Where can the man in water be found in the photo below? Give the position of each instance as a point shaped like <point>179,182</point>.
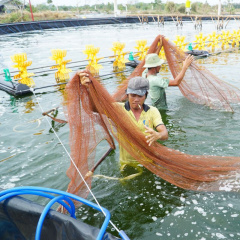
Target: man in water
<point>157,83</point>
<point>145,117</point>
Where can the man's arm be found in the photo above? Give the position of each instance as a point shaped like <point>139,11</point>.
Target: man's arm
<point>159,45</point>
<point>187,62</point>
<point>161,134</point>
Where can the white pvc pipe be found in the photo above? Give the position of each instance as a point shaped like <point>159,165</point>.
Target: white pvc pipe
<point>115,8</point>
<point>219,7</point>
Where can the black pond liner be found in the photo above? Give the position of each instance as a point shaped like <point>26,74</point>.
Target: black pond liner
<point>19,218</point>
<point>63,23</point>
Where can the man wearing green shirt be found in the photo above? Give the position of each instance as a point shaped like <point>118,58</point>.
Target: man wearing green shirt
<point>157,83</point>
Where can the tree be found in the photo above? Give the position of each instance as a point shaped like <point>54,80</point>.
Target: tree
<point>42,7</point>
<point>157,4</point>
<point>170,7</point>
<point>181,8</point>
<point>49,1</point>
<point>34,9</point>
<point>230,7</point>
<point>194,7</point>
<point>205,8</point>
<point>17,2</point>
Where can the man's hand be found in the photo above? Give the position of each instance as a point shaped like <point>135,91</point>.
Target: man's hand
<point>187,62</point>
<point>84,78</point>
<point>153,135</point>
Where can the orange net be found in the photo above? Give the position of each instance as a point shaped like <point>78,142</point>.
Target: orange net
<point>93,116</point>
<point>84,136</point>
<point>88,127</point>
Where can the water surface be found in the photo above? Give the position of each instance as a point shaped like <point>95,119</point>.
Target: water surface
<point>146,207</point>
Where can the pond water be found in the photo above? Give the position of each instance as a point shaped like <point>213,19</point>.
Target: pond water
<point>145,207</point>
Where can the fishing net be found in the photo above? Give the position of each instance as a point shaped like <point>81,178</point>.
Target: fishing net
<point>89,124</point>
<point>199,85</point>
<point>93,116</point>
<point>87,130</point>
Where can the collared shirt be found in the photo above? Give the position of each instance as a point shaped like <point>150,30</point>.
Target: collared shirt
<point>150,117</point>
<point>157,86</point>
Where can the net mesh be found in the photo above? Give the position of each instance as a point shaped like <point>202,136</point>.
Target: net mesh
<point>93,115</point>
<point>87,130</point>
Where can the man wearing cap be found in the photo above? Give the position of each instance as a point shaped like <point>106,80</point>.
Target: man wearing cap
<point>145,117</point>
<point>157,83</point>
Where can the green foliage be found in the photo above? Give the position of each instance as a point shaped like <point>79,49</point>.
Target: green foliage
<point>42,7</point>
<point>194,7</point>
<point>63,8</point>
<point>48,10</point>
<point>34,9</point>
<point>170,7</point>
<point>205,8</point>
<point>181,8</point>
<point>110,7</point>
<point>230,8</point>
<point>121,7</point>
<point>143,6</point>
<point>100,6</point>
<point>16,2</point>
<point>157,5</point>
<point>15,17</point>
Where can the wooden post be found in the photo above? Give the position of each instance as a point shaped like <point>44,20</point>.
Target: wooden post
<point>227,22</point>
<point>139,19</point>
<point>162,21</point>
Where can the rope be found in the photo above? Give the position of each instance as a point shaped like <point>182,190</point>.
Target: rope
<point>118,179</point>
<point>74,163</point>
<point>38,120</point>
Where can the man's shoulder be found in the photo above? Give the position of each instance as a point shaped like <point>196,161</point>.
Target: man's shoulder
<point>153,109</point>
<point>155,115</point>
<point>150,109</point>
<point>158,81</point>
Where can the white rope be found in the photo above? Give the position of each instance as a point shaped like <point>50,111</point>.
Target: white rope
<point>73,161</point>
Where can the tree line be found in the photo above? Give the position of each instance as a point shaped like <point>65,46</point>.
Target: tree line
<point>155,7</point>
<point>50,11</point>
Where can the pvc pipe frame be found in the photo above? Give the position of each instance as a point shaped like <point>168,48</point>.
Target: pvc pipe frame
<point>64,196</point>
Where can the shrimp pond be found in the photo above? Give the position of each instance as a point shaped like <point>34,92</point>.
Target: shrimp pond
<point>145,207</point>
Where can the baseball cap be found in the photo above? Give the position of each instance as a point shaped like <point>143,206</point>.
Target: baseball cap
<point>138,85</point>
<point>153,60</point>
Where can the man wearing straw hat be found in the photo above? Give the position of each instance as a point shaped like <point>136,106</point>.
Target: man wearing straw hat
<point>158,84</point>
